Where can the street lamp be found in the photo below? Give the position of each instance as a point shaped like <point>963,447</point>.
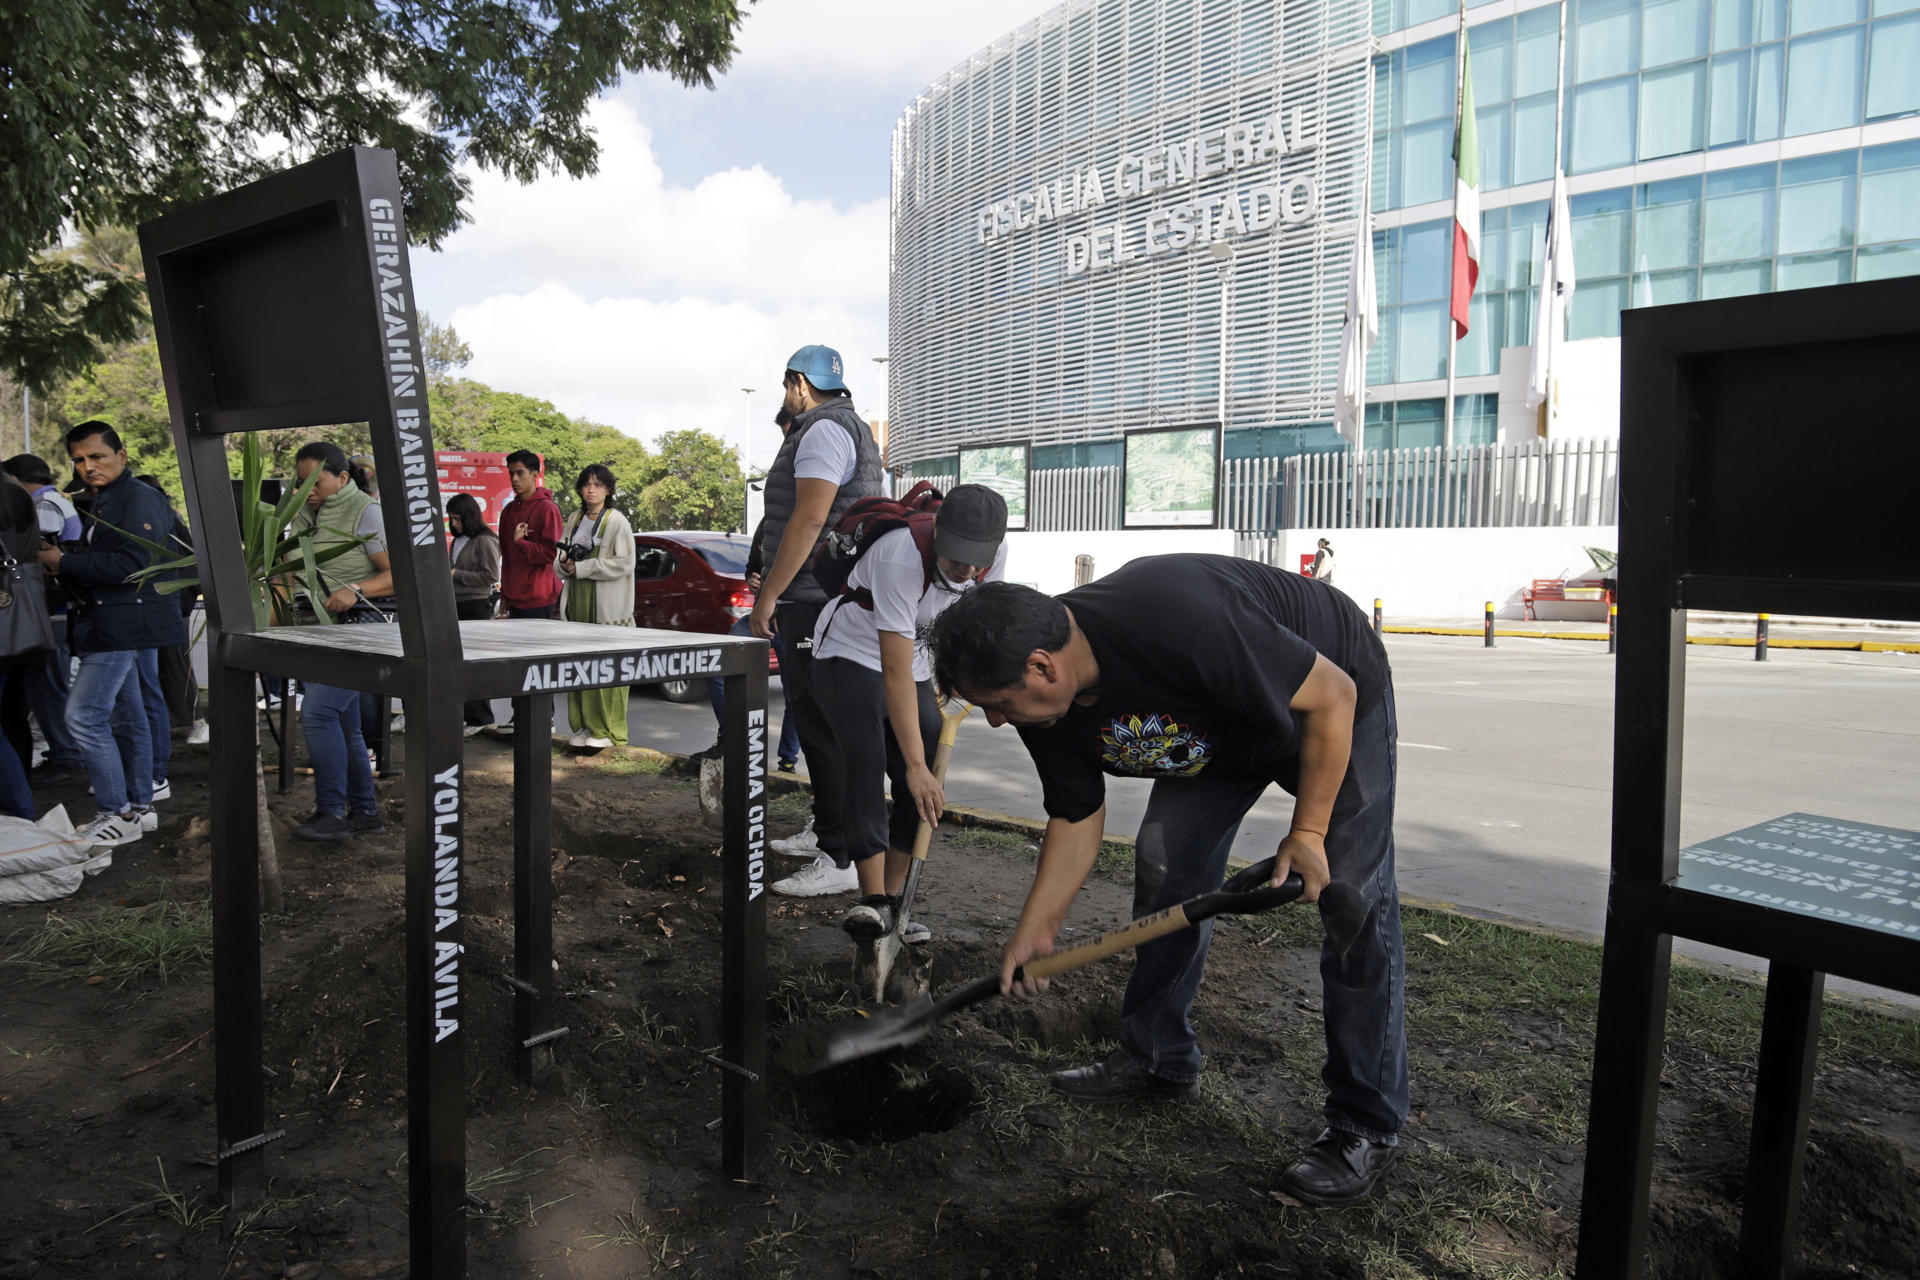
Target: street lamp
<point>1222,254</point>
<point>746,461</point>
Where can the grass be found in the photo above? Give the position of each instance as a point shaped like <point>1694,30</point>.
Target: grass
<point>177,1208</point>
<point>622,765</point>
<point>122,946</point>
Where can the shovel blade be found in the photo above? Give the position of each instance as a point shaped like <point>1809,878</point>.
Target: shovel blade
<point>873,1033</point>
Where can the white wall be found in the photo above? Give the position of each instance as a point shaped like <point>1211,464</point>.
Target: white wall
<point>1452,573</point>
<point>1589,375</point>
<point>1045,560</point>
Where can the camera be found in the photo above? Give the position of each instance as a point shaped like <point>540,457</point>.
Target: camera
<point>575,551</point>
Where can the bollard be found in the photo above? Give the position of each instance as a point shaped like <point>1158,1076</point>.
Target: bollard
<point>1613,625</point>
<point>1082,570</point>
<point>1760,640</point>
<point>1376,615</point>
<point>1489,624</point>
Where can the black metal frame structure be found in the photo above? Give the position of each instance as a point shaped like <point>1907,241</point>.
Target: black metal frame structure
<point>1767,463</point>
<point>1214,517</point>
<point>288,303</point>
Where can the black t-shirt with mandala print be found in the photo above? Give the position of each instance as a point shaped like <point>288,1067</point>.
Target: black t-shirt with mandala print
<point>1199,657</point>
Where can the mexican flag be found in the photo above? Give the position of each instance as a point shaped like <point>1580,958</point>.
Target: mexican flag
<point>1466,198</point>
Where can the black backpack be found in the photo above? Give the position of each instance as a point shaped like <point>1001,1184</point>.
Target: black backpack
<point>865,523</point>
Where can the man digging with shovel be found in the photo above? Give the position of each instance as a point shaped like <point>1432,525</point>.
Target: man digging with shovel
<point>1213,676</point>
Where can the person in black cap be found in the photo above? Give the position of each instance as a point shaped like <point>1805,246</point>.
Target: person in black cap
<point>870,668</point>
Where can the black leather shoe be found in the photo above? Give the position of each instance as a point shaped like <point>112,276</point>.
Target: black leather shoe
<point>1338,1168</point>
<point>1120,1078</point>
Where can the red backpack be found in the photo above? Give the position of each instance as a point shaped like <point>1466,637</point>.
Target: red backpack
<point>865,523</point>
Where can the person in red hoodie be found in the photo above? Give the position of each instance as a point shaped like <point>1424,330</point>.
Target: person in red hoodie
<point>529,542</point>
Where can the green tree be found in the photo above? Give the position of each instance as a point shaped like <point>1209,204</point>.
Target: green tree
<point>110,112</point>
<point>444,350</point>
<point>696,483</point>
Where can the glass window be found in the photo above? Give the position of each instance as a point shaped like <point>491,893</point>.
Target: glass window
<point>1605,39</point>
<point>1740,22</point>
<point>1419,11</point>
<point>1495,147</point>
<point>1386,263</point>
<point>1479,351</point>
<point>1666,232</point>
<point>1476,419</point>
<point>1532,144</point>
<point>1595,312</point>
<point>1816,15</point>
<point>1739,214</point>
<point>1813,270</point>
<point>1823,81</point>
<point>1421,340</point>
<point>1426,260</point>
<point>1659,288</point>
<point>1727,98</point>
<point>1672,30</point>
<point>1673,110</point>
<point>1602,126</point>
<point>1536,51</point>
<point>1816,203</point>
<point>1600,225</point>
<point>1890,192</point>
<point>1736,280</point>
<point>1893,68</point>
<point>1419,424</point>
<point>1883,262</point>
<point>1379,429</point>
<point>1881,8</point>
<point>1526,244</point>
<point>1491,48</point>
<point>1426,163</point>
<point>1493,249</point>
<point>1520,308</point>
<point>1427,90</point>
<point>1767,64</point>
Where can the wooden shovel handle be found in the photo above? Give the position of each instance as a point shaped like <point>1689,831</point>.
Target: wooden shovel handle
<point>1145,929</point>
<point>949,730</point>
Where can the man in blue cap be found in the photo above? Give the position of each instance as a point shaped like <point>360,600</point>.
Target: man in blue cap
<point>827,462</point>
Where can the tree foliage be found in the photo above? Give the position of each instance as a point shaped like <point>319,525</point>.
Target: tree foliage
<point>110,112</point>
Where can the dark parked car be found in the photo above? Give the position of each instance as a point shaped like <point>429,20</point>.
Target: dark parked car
<point>690,581</point>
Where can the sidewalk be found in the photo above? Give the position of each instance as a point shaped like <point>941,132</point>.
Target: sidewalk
<point>1714,629</point>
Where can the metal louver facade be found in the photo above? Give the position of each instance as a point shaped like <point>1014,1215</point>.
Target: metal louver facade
<point>1008,323</point>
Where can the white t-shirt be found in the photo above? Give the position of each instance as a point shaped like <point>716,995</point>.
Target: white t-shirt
<point>826,452</point>
<point>893,571</point>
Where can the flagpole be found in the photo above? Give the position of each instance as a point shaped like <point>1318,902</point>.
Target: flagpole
<point>1459,94</point>
<point>1544,426</point>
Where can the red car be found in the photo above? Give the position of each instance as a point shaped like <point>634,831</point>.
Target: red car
<point>691,581</point>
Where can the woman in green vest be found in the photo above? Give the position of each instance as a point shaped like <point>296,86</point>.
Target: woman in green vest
<point>596,565</point>
<point>339,514</point>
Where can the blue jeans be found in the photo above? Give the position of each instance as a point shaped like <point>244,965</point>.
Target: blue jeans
<point>1181,851</point>
<point>16,797</point>
<point>49,680</point>
<point>159,723</point>
<point>789,749</point>
<point>108,719</point>
<point>342,777</point>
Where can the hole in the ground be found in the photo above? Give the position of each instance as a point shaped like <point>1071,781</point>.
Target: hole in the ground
<point>887,1099</point>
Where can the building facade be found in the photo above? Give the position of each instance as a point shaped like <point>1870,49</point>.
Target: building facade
<point>1713,148</point>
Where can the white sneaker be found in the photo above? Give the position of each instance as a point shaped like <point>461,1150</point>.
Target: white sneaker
<point>197,736</point>
<point>597,744</point>
<point>144,815</point>
<point>801,844</point>
<point>818,879</point>
<point>399,724</point>
<point>163,789</point>
<point>473,730</point>
<point>579,739</point>
<point>110,829</point>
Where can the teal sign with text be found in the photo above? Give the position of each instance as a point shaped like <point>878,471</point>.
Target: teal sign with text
<point>1851,872</point>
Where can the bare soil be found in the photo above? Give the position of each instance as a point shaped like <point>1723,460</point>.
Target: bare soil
<point>948,1159</point>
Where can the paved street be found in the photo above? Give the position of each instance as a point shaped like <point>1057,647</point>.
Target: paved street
<point>1506,762</point>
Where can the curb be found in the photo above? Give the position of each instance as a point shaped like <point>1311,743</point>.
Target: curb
<point>1736,642</point>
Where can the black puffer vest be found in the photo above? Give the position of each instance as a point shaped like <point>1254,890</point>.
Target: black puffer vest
<point>837,414</point>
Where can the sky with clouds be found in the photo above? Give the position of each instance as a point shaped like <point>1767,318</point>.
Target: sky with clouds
<point>725,228</point>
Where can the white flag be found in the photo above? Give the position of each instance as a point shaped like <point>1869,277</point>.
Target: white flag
<point>1356,338</point>
<point>1556,291</point>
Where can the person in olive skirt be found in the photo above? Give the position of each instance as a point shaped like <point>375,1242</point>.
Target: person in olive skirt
<point>476,571</point>
<point>597,560</point>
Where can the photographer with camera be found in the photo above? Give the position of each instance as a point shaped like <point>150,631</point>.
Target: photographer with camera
<point>597,560</point>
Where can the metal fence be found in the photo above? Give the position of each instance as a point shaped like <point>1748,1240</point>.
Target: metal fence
<point>1541,483</point>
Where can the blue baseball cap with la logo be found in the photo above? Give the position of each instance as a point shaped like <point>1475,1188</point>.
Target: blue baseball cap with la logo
<point>822,367</point>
